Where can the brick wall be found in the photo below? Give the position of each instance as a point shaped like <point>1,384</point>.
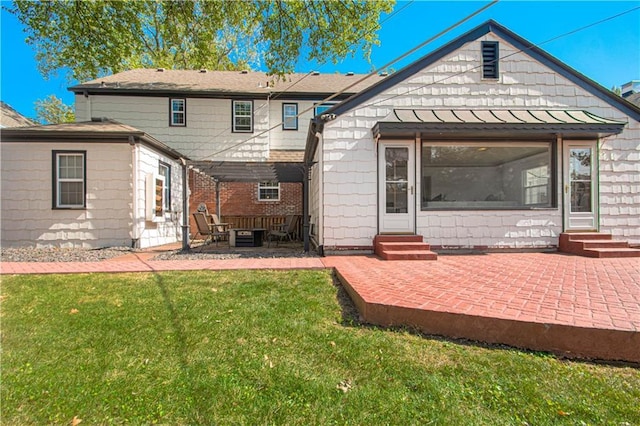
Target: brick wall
<point>241,198</point>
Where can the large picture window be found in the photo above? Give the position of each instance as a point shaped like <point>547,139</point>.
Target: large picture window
<point>487,175</point>
<point>69,179</point>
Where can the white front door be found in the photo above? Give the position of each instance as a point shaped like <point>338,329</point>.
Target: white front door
<point>396,192</point>
<point>580,186</point>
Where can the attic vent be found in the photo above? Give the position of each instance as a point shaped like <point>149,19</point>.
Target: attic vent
<point>315,73</point>
<point>350,73</point>
<point>490,59</point>
<point>244,72</point>
<point>160,69</point>
<point>203,70</point>
<point>99,119</point>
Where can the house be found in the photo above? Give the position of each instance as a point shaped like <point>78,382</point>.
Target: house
<point>488,142</point>
<point>244,131</point>
<point>90,184</point>
<point>9,117</point>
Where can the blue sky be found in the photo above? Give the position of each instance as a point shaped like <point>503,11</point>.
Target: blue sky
<point>608,53</point>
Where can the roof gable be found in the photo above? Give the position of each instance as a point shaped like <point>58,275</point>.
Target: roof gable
<point>518,42</point>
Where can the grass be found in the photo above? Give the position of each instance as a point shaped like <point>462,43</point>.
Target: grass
<point>267,348</point>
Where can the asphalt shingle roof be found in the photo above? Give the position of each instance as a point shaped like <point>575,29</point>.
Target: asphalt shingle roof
<point>224,82</point>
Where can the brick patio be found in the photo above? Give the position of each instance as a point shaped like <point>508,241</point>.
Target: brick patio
<point>570,305</point>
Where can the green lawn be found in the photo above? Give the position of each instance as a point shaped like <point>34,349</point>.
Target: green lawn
<point>266,348</point>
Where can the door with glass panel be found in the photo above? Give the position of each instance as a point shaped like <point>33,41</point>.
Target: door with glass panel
<point>580,186</point>
<point>396,194</point>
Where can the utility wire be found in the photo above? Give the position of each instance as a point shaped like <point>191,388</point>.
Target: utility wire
<point>371,74</point>
<point>502,57</point>
<point>278,94</point>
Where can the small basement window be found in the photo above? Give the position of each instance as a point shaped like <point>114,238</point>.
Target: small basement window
<point>269,191</point>
<point>490,57</point>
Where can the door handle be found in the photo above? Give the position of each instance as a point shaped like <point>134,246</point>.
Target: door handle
<point>566,189</point>
<point>411,187</point>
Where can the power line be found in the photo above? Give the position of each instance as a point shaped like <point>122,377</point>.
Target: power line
<point>503,57</point>
<point>395,12</point>
<point>371,74</point>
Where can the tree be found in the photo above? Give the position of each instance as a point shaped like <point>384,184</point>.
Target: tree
<point>617,90</point>
<point>93,38</point>
<point>52,110</point>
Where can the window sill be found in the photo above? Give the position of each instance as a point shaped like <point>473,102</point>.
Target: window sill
<point>429,209</point>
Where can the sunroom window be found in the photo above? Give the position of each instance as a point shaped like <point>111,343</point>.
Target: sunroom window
<point>486,175</point>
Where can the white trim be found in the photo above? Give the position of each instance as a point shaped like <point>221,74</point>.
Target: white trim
<point>580,221</point>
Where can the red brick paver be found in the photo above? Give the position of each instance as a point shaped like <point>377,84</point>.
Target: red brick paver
<point>567,304</point>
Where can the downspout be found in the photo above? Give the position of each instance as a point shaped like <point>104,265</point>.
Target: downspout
<point>135,231</point>
<point>305,205</point>
<point>185,205</point>
<point>218,209</point>
<point>320,167</point>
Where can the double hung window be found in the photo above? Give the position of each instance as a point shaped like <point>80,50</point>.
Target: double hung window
<point>178,112</point>
<point>164,170</point>
<point>69,179</point>
<point>243,116</point>
<point>290,116</point>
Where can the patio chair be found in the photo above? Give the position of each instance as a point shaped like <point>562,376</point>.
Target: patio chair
<point>214,231</point>
<point>221,229</point>
<point>287,229</point>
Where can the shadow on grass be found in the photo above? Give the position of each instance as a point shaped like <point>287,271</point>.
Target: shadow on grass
<point>188,371</point>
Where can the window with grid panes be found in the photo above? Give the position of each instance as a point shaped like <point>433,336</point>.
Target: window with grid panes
<point>269,191</point>
<point>69,179</point>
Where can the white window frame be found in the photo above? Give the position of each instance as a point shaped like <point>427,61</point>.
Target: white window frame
<point>59,181</point>
<point>529,189</point>
<point>291,115</point>
<point>320,108</point>
<point>164,170</point>
<point>235,116</point>
<point>268,186</point>
<point>173,112</point>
